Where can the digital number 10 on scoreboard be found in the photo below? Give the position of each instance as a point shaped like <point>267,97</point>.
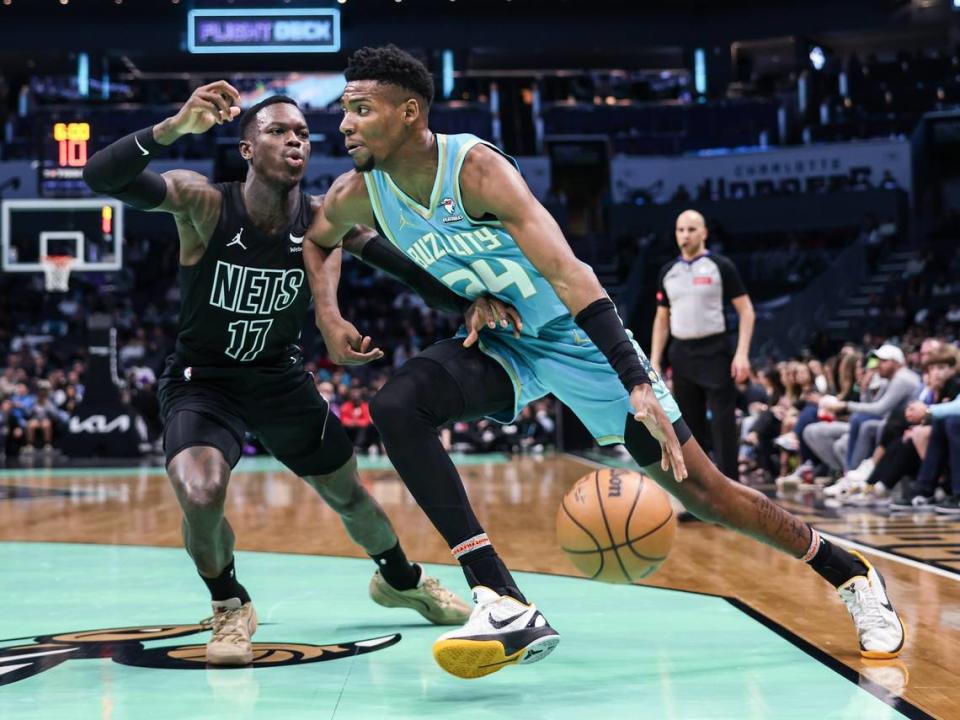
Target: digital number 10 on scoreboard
<point>72,141</point>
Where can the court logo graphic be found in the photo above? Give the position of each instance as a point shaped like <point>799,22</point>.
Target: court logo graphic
<point>451,208</point>
<point>126,646</point>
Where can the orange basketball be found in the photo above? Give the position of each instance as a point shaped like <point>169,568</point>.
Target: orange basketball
<point>616,525</point>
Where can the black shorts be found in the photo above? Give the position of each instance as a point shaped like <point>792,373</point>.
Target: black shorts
<point>704,362</point>
<point>216,407</point>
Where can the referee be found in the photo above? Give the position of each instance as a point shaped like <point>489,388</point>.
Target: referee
<point>692,290</point>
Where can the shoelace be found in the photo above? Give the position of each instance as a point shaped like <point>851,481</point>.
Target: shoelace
<point>864,605</point>
<point>226,626</point>
<point>482,607</point>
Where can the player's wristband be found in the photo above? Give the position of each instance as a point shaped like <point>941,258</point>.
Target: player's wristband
<point>120,170</point>
<point>602,325</point>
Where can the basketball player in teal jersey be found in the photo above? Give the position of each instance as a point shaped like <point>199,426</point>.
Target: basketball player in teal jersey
<point>459,208</point>
<point>237,366</point>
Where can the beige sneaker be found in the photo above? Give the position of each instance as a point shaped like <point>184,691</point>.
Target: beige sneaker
<point>429,598</point>
<point>233,624</point>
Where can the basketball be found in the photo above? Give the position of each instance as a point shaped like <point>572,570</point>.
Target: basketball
<point>616,526</point>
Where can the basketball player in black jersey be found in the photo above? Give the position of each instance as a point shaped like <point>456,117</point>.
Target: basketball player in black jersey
<point>245,290</point>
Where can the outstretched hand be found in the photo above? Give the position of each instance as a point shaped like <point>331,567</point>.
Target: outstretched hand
<point>647,410</point>
<point>213,104</point>
<point>346,346</point>
<point>488,311</point>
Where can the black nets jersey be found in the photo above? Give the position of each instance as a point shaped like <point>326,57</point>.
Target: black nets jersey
<point>244,302</point>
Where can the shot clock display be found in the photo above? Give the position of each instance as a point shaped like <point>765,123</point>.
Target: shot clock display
<point>65,149</point>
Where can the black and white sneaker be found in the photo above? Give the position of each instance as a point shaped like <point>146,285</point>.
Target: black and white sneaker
<point>948,506</point>
<point>879,627</point>
<point>501,631</point>
<point>915,503</point>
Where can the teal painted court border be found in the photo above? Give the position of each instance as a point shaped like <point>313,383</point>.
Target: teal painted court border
<point>679,672</point>
<point>899,704</point>
<point>267,464</point>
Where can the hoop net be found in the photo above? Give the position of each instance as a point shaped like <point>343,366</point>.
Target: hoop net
<point>56,271</point>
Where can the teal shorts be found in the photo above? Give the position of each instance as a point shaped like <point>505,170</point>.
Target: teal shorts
<point>562,360</point>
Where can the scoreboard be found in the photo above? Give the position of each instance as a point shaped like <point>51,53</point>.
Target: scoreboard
<point>65,147</point>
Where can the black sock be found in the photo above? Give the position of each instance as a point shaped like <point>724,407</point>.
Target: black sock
<point>836,565</point>
<point>225,586</point>
<point>399,572</point>
<point>484,567</point>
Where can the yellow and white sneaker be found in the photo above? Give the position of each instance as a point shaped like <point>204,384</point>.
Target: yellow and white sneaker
<point>879,628</point>
<point>501,631</point>
<point>429,598</point>
<point>233,625</point>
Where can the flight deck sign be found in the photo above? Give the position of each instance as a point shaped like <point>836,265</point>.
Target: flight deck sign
<point>263,31</point>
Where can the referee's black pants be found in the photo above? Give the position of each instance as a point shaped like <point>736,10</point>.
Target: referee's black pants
<point>702,381</point>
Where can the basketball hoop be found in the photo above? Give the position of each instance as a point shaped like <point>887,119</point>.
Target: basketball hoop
<point>56,271</point>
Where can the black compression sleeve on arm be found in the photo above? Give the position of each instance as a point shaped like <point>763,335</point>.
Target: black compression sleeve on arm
<point>602,325</point>
<point>379,253</point>
<point>119,170</point>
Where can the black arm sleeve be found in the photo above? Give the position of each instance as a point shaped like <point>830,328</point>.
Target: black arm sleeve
<point>602,325</point>
<point>119,170</point>
<point>379,253</point>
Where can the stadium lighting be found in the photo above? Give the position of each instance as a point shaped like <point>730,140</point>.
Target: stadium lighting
<point>817,57</point>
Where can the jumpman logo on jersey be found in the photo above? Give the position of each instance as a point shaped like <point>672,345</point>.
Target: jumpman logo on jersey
<point>403,221</point>
<point>236,240</point>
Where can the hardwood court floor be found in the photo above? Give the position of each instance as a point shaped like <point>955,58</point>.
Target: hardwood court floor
<point>516,501</point>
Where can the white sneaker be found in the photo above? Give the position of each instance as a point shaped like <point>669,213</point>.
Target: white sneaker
<point>429,598</point>
<point>849,483</point>
<point>803,474</point>
<point>501,631</point>
<point>788,441</point>
<point>863,471</point>
<point>879,628</point>
<point>233,625</point>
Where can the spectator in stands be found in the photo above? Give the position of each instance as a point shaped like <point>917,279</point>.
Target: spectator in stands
<point>867,418</point>
<point>355,417</point>
<point>943,454</point>
<point>42,417</point>
<point>828,437</point>
<point>905,453</point>
<point>809,385</point>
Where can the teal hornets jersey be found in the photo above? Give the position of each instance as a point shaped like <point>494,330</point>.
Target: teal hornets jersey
<point>471,256</point>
